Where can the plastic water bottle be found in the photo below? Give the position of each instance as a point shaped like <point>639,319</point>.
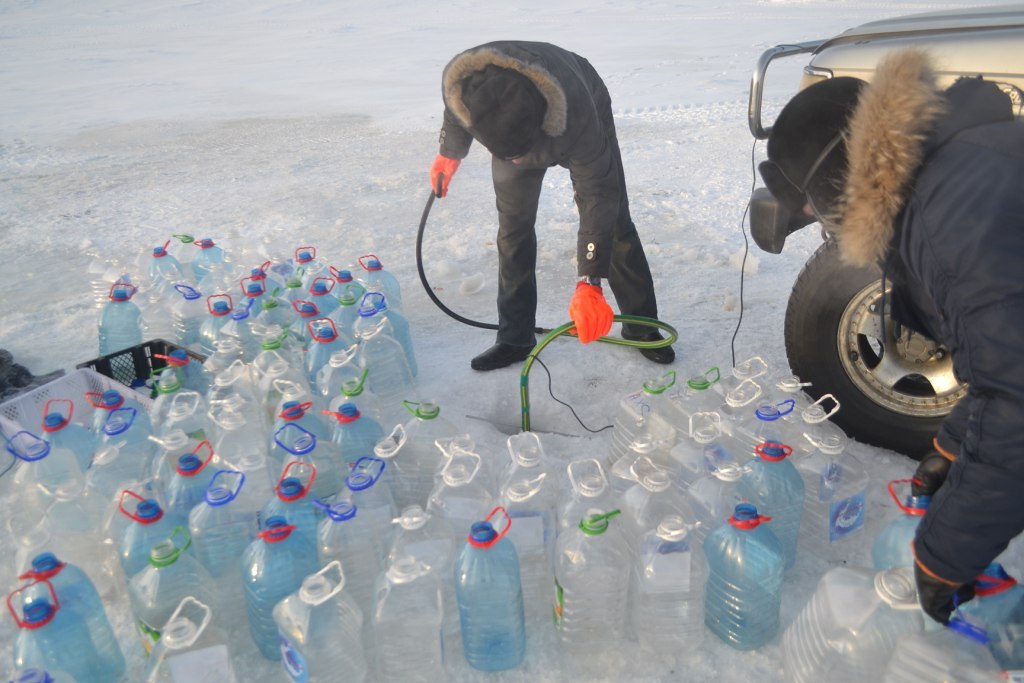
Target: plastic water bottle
<point>643,412</point>
<point>44,469</point>
<point>431,541</point>
<point>254,293</point>
<point>273,567</point>
<point>376,279</point>
<point>324,339</point>
<point>649,501</point>
<point>321,630</point>
<point>835,505</point>
<point>407,622</point>
<point>713,497</point>
<point>188,414</point>
<point>955,653</point>
<point>345,536</point>
<point>391,378</point>
<point>355,434</point>
<point>529,495</point>
<point>744,589</point>
<point>892,546</point>
<point>191,648</point>
<point>412,454</point>
<point>149,526</point>
<point>105,402</point>
<point>341,367</point>
<point>490,598</point>
<point>321,293</point>
<point>666,598</point>
<point>219,307</point>
<point>590,490</point>
<point>238,433</point>
<point>209,260</point>
<point>998,607</point>
<point>459,496</point>
<point>239,327</point>
<point>643,455</point>
<point>592,566</point>
<point>76,593</point>
<point>299,413</point>
<point>62,432</point>
<point>171,576</point>
<point>227,352</point>
<point>221,531</point>
<point>848,630</point>
<point>53,638</point>
<point>705,449</point>
<point>374,305</point>
<point>292,502</point>
<point>369,491</point>
<point>187,486</point>
<point>130,430</point>
<point>120,321</point>
<point>773,485</point>
<point>347,312</point>
<point>275,311</point>
<point>188,312</point>
<point>701,393</point>
<point>306,311</point>
<point>303,446</point>
<point>167,384</point>
<point>191,371</point>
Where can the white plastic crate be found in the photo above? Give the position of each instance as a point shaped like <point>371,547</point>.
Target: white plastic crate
<point>25,411</point>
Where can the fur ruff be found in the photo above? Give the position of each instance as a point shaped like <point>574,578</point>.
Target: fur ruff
<point>555,118</point>
<point>885,139</point>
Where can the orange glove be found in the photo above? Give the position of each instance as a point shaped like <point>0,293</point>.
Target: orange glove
<point>591,313</point>
<point>441,172</point>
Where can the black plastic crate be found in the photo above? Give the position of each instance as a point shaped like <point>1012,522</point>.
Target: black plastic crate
<point>134,366</point>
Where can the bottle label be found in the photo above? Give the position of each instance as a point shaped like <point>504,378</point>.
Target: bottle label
<point>637,403</point>
<point>149,635</point>
<point>845,517</point>
<point>559,606</point>
<point>293,662</point>
<point>209,664</point>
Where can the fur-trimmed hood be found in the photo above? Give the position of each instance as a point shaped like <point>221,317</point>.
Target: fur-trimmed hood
<point>464,64</point>
<point>894,117</point>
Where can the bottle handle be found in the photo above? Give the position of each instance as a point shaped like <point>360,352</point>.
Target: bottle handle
<point>67,418</point>
<point>14,613</point>
<point>906,509</point>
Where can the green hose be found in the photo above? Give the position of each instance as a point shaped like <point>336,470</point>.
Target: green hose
<point>524,377</point>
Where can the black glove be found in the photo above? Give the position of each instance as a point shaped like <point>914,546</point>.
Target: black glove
<point>936,597</point>
<point>930,474</point>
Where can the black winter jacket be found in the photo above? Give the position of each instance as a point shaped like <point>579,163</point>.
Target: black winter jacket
<point>936,191</point>
<point>578,131</point>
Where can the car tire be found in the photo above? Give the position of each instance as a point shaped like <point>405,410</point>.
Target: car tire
<point>893,392</point>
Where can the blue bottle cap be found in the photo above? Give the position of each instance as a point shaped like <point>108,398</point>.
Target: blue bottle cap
<point>159,251</point>
<point>290,489</point>
<point>53,421</point>
<point>37,612</point>
<point>180,355</point>
<point>45,562</point>
<point>349,410</point>
<point>292,410</point>
<point>745,511</point>
<point>373,264</point>
<point>111,397</point>
<point>307,308</point>
<point>344,275</point>
<point>482,533</point>
<point>324,333</point>
<point>319,287</point>
<point>189,463</point>
<point>221,306</point>
<point>149,509</point>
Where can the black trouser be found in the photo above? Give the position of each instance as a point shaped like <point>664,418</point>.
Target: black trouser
<point>517,193</point>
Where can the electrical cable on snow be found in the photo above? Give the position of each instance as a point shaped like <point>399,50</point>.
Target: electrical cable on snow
<point>746,250</point>
<point>573,411</point>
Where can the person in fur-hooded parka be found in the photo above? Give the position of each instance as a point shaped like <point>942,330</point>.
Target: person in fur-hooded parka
<point>533,106</point>
<point>931,186</point>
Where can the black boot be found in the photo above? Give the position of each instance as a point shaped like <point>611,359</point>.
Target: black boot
<point>500,356</point>
<point>663,355</point>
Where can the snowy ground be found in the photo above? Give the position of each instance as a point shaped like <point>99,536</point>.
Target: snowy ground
<point>269,124</point>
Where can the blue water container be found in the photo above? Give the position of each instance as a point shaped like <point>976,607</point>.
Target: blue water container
<point>301,414</point>
<point>744,590</point>
<point>490,598</point>
<point>355,434</point>
<point>54,638</point>
<point>774,486</point>
<point>210,257</point>
<point>377,279</point>
<point>187,315</point>
<point>219,308</point>
<point>893,546</point>
<point>324,340</point>
<point>62,432</point>
<point>292,502</point>
<point>273,567</point>
<point>76,593</point>
<point>187,486</point>
<point>321,293</point>
<point>120,320</point>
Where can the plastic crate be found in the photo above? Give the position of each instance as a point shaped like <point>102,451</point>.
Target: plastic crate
<point>134,366</point>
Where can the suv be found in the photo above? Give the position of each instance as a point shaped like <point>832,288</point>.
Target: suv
<point>895,388</point>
